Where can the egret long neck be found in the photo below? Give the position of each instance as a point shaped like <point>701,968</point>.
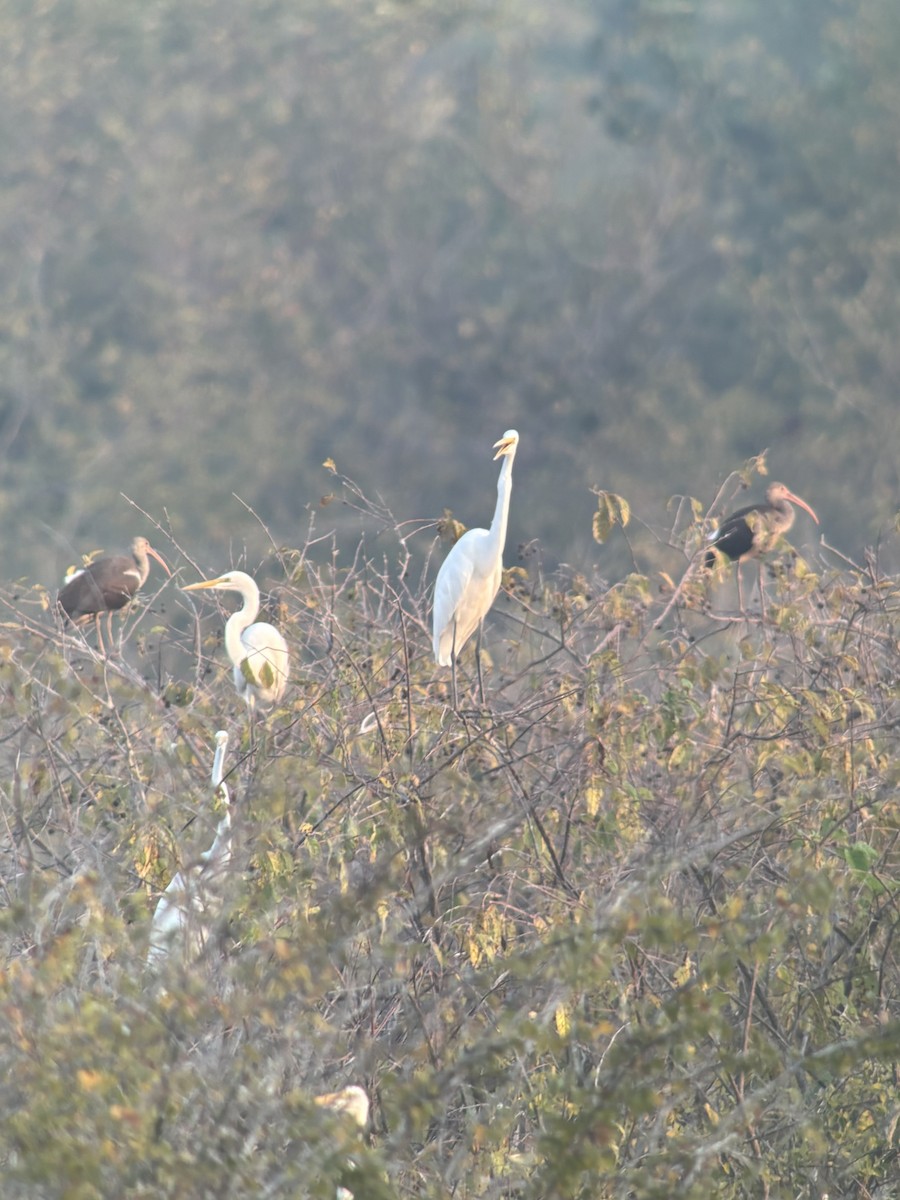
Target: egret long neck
<point>497,532</point>
<point>235,626</point>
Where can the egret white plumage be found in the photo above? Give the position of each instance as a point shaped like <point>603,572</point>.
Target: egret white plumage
<point>107,584</point>
<point>258,652</point>
<point>184,912</point>
<point>353,1101</point>
<point>469,578</point>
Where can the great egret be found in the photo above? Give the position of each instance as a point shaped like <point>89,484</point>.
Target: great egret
<point>107,584</point>
<point>183,914</point>
<point>257,650</point>
<point>353,1101</point>
<point>469,578</point>
<point>754,530</point>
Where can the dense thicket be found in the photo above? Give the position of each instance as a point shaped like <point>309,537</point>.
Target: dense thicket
<point>627,930</point>
<point>240,239</point>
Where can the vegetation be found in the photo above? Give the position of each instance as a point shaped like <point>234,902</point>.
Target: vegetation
<point>629,930</point>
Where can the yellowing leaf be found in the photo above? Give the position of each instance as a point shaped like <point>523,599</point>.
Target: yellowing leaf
<point>593,796</point>
<point>684,972</point>
<point>612,510</point>
<point>561,1018</point>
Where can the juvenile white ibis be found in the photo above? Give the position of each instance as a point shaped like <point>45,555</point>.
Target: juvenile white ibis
<point>183,916</point>
<point>258,652</point>
<point>755,529</point>
<point>108,584</point>
<point>469,578</point>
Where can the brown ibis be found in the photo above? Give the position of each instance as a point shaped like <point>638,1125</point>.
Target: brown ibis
<point>108,584</point>
<point>754,530</point>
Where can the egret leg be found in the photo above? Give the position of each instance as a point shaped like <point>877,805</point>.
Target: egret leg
<point>251,723</point>
<point>478,663</point>
<point>453,668</point>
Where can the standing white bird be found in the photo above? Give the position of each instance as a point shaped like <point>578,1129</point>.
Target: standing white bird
<point>257,650</point>
<point>183,915</point>
<point>469,578</point>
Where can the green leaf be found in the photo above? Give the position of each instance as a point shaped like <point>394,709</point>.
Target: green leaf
<point>860,856</point>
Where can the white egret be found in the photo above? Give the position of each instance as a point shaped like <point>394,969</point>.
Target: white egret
<point>257,650</point>
<point>353,1101</point>
<point>469,578</point>
<point>107,584</point>
<point>184,912</point>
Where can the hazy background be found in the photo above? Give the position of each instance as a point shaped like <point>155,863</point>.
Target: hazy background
<point>238,239</point>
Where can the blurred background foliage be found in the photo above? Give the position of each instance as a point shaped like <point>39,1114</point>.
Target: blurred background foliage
<point>655,237</point>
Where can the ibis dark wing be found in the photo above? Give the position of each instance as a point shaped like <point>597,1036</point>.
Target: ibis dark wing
<point>104,586</point>
<point>735,536</point>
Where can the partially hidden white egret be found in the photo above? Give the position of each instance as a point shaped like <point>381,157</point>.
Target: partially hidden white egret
<point>353,1101</point>
<point>469,578</point>
<point>257,650</point>
<point>185,911</point>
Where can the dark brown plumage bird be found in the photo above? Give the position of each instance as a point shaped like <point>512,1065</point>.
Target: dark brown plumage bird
<point>108,584</point>
<point>755,529</point>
